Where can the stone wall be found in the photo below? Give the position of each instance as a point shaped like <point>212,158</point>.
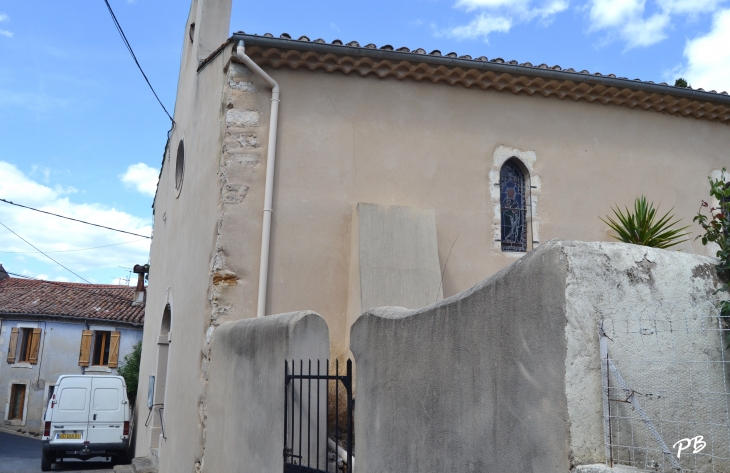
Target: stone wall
<point>505,377</point>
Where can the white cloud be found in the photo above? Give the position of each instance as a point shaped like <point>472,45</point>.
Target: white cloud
<point>474,4</point>
<point>501,15</point>
<point>627,20</point>
<point>708,56</point>
<point>42,170</point>
<point>481,27</point>
<point>142,177</point>
<point>59,235</point>
<point>4,17</point>
<point>689,7</point>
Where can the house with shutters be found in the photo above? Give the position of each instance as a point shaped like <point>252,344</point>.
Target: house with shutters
<point>48,329</point>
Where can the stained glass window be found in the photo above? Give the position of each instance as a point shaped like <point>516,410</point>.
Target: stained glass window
<point>512,202</point>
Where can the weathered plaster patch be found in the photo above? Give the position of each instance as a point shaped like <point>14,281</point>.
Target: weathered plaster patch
<point>703,271</point>
<point>245,159</point>
<point>248,140</point>
<point>242,118</point>
<point>240,141</point>
<point>238,72</point>
<point>641,273</point>
<point>218,310</point>
<point>234,194</point>
<point>225,277</point>
<point>245,86</point>
<point>209,333</point>
<point>534,187</point>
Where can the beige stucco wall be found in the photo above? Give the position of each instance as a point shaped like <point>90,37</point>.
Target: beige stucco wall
<point>347,139</point>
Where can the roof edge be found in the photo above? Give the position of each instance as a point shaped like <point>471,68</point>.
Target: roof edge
<point>550,74</point>
<point>13,315</point>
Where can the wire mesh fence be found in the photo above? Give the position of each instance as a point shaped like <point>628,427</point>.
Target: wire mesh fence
<point>665,388</point>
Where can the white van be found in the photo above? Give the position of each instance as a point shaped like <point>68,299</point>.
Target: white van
<point>87,416</point>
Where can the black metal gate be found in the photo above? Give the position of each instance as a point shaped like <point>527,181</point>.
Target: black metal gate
<point>312,428</point>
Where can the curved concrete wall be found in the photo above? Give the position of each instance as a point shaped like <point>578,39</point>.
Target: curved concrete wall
<point>245,430</point>
<point>474,383</point>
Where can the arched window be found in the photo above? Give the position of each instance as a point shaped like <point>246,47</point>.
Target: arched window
<point>513,207</point>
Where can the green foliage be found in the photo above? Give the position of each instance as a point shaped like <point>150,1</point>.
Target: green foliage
<point>717,225</point>
<point>129,370</point>
<point>680,83</point>
<point>643,228</point>
<point>717,230</point>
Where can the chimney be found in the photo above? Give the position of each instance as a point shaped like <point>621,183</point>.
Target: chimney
<point>208,26</point>
<point>140,293</point>
<point>3,274</point>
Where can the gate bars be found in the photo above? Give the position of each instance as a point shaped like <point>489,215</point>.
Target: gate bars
<point>298,457</point>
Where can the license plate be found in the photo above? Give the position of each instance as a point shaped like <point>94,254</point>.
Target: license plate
<point>69,436</point>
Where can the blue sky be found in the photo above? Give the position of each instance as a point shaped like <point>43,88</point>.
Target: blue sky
<point>82,135</point>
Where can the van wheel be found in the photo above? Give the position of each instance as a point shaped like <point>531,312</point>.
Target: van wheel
<point>45,462</point>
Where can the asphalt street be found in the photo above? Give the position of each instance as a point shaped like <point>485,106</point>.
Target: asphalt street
<point>20,454</point>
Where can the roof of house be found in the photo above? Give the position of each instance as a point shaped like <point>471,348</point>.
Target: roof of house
<point>496,73</point>
<point>101,302</point>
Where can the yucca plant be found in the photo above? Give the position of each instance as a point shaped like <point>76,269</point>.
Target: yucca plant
<point>642,227</point>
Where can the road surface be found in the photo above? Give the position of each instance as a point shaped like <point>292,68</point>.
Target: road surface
<point>21,454</point>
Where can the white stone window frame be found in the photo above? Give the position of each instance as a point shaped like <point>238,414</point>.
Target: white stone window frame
<point>533,187</point>
<point>16,422</point>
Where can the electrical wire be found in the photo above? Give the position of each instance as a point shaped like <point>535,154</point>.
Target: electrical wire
<point>31,244</point>
<point>68,251</point>
<point>129,48</point>
<point>74,219</point>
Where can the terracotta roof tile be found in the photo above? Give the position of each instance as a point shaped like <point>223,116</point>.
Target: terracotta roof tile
<point>86,301</point>
<point>404,49</point>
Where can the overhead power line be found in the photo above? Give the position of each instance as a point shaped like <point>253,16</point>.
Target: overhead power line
<point>31,244</point>
<point>68,251</point>
<point>74,219</point>
<point>129,48</point>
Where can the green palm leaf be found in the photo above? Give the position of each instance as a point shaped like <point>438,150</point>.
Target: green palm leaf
<point>641,227</point>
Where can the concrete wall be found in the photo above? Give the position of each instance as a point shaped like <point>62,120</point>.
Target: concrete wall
<point>58,354</point>
<point>245,409</point>
<point>394,258</point>
<point>629,286</point>
<point>505,377</point>
<point>473,383</point>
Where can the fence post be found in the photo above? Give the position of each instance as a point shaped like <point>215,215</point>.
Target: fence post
<point>603,343</point>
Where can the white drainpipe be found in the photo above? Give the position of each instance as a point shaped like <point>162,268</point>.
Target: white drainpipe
<point>270,163</point>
